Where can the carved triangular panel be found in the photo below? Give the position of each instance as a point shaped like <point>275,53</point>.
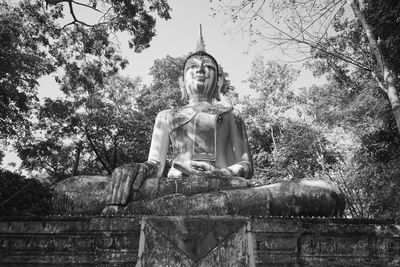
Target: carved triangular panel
<point>195,237</point>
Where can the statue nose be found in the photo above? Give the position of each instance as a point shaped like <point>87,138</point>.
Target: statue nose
<point>201,68</point>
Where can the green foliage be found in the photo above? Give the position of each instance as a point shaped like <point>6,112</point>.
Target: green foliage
<point>271,78</point>
<point>134,17</point>
<point>88,58</point>
<point>90,137</point>
<point>57,136</point>
<point>284,142</point>
<point>114,127</point>
<point>376,172</point>
<point>164,92</point>
<point>33,199</point>
<point>384,17</point>
<point>370,175</point>
<point>24,35</point>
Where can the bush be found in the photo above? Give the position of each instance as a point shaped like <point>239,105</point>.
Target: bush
<point>33,197</point>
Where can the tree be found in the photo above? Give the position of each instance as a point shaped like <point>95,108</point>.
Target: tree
<point>327,29</point>
<point>284,141</point>
<point>376,172</point>
<point>41,42</point>
<point>33,44</point>
<point>21,196</point>
<point>24,35</point>
<point>164,92</point>
<point>118,16</point>
<point>52,141</point>
<point>90,137</point>
<point>360,123</point>
<point>116,130</point>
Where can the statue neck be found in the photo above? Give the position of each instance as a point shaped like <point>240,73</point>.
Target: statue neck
<point>199,98</point>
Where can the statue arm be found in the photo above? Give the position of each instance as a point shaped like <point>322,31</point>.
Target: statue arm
<point>159,144</point>
<point>131,176</point>
<point>242,154</point>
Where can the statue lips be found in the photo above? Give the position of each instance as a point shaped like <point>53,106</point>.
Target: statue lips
<point>200,77</point>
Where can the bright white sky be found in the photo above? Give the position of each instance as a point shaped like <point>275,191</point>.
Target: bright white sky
<point>177,37</point>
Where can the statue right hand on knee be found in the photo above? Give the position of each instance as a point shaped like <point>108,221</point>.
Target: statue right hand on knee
<point>124,179</point>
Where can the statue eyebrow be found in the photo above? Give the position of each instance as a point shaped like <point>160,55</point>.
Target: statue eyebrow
<point>197,60</point>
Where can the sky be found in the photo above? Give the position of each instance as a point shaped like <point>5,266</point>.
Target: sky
<point>178,36</point>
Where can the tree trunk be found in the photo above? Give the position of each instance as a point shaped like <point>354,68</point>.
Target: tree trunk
<point>97,153</point>
<point>77,158</point>
<point>386,75</point>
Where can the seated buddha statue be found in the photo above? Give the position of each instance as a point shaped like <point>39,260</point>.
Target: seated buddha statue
<point>212,165</point>
<point>208,140</point>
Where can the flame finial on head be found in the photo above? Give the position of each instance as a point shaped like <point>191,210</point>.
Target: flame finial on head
<point>200,43</point>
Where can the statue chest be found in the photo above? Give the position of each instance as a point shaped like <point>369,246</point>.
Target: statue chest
<point>199,135</point>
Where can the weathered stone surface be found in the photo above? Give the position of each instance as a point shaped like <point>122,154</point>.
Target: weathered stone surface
<point>306,197</point>
<point>77,241</point>
<point>250,201</point>
<point>82,194</point>
<point>201,196</point>
<point>325,242</point>
<point>187,186</point>
<point>195,241</point>
<point>195,236</point>
<point>289,198</point>
<point>244,241</point>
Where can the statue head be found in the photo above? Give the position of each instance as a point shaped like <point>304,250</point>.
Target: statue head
<point>201,74</point>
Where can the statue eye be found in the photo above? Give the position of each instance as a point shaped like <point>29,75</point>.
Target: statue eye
<point>191,66</point>
<point>212,67</point>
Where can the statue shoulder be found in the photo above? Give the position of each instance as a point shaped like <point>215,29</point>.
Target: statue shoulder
<point>163,119</point>
<point>180,116</point>
<point>164,116</point>
<point>237,117</point>
<point>237,114</point>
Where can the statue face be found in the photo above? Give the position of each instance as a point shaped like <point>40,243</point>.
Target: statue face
<point>200,76</point>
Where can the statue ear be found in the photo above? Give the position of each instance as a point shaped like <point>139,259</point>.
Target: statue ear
<point>184,94</point>
<point>220,86</point>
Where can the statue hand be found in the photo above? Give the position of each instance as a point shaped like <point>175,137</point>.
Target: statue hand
<point>123,179</point>
<point>206,169</point>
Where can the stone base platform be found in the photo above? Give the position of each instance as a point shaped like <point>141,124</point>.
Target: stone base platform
<point>197,241</point>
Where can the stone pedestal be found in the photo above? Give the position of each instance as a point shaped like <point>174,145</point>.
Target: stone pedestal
<point>198,241</point>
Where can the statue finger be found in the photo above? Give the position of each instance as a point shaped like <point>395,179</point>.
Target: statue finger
<point>128,185</point>
<point>118,178</point>
<point>124,179</point>
<point>140,176</point>
<point>184,168</point>
<point>200,165</point>
<point>110,188</point>
<point>112,182</point>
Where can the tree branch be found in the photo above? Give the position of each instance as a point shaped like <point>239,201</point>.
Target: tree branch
<point>96,152</point>
<point>370,35</point>
<point>91,7</point>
